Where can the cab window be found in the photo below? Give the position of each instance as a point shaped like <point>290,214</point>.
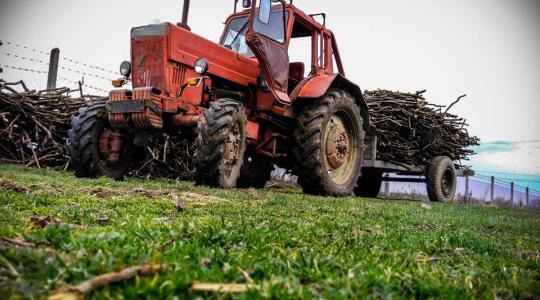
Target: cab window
<point>235,32</point>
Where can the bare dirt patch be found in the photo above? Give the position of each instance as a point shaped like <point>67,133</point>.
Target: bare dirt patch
<point>10,186</point>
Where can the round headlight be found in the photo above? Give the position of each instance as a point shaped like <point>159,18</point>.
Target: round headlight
<point>125,68</point>
<point>201,66</point>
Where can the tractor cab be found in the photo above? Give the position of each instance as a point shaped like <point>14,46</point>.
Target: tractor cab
<point>269,32</point>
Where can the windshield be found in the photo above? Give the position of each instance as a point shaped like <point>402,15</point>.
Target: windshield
<point>235,36</point>
<point>235,33</point>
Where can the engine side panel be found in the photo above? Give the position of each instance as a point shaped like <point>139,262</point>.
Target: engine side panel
<point>186,47</point>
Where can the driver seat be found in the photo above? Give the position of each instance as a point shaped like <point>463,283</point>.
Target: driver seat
<point>296,74</point>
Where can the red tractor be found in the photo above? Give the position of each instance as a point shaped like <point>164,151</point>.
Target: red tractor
<point>247,104</point>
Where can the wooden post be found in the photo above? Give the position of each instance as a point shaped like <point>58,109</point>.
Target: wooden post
<point>512,193</point>
<point>492,188</point>
<point>527,196</point>
<point>53,69</point>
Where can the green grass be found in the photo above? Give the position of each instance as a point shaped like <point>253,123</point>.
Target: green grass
<point>292,245</point>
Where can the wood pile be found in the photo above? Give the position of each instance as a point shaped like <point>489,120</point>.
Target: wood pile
<point>411,130</point>
<point>34,126</point>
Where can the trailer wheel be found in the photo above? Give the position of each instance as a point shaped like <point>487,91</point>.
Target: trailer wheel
<point>220,144</point>
<point>441,181</point>
<point>369,184</point>
<point>329,144</point>
<point>255,171</point>
<point>95,148</point>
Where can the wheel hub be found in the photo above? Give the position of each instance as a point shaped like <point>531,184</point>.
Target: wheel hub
<point>337,145</point>
<point>110,145</point>
<point>447,182</point>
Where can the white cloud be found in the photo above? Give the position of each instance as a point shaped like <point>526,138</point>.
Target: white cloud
<point>516,158</point>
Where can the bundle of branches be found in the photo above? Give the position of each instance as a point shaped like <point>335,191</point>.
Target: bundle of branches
<point>34,131</point>
<point>34,124</point>
<point>411,130</point>
<point>166,156</point>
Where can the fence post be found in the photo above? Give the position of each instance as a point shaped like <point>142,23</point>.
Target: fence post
<point>512,194</point>
<point>492,188</point>
<point>1,43</point>
<point>53,69</point>
<point>527,196</point>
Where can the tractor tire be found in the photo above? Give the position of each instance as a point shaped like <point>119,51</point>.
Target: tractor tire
<point>369,184</point>
<point>255,171</point>
<point>88,128</point>
<point>441,181</point>
<point>329,144</point>
<point>220,144</point>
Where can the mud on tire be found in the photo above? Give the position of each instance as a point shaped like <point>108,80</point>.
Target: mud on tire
<point>317,120</point>
<point>220,144</point>
<point>84,136</point>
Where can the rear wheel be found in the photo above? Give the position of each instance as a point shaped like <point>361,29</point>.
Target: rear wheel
<point>255,171</point>
<point>441,181</point>
<point>329,144</point>
<point>369,184</point>
<point>97,149</point>
<point>220,145</point>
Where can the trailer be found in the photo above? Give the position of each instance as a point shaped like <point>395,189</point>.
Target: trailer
<point>439,174</point>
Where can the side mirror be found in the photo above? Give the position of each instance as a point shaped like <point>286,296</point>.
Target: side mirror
<point>246,3</point>
<point>264,11</point>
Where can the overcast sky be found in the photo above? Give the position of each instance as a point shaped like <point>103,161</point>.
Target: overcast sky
<point>488,49</point>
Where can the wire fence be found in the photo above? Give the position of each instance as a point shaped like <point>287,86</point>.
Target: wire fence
<point>34,62</point>
<point>474,190</point>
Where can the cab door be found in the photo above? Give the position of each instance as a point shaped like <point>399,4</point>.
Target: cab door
<point>267,38</point>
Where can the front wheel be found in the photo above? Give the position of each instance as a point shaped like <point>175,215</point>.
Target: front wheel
<point>220,145</point>
<point>441,181</point>
<point>329,144</point>
<point>95,148</point>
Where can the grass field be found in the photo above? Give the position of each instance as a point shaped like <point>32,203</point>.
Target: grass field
<point>291,245</point>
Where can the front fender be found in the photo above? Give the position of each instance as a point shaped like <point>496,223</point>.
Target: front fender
<point>316,87</point>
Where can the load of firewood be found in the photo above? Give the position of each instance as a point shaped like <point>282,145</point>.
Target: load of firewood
<point>411,130</point>
<point>34,131</point>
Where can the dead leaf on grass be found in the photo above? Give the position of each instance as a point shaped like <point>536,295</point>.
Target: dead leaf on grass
<point>426,206</point>
<point>220,287</point>
<point>460,250</point>
<point>202,198</point>
<point>42,221</point>
<point>427,259</point>
<point>180,205</point>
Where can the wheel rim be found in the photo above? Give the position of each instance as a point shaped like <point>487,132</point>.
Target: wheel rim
<point>340,147</point>
<point>231,155</point>
<point>447,183</point>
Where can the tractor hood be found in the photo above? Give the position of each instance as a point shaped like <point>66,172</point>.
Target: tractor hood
<point>166,51</point>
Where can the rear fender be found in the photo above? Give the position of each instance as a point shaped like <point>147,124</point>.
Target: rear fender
<point>316,87</point>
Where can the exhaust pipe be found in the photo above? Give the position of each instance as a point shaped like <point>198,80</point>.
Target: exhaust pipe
<point>185,14</point>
